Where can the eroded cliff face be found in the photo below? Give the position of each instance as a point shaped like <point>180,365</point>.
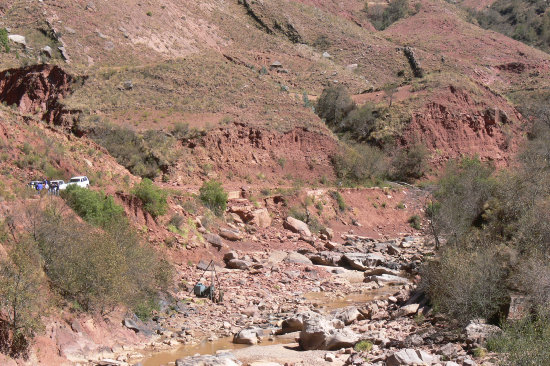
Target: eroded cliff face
<point>36,89</point>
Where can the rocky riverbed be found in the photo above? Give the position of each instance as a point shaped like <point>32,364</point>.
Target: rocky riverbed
<point>354,303</point>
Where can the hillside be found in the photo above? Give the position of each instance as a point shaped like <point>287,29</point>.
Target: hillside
<point>213,130</point>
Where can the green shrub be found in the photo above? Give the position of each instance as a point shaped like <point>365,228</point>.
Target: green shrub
<point>359,164</point>
<point>4,41</point>
<point>334,104</point>
<point>213,196</point>
<point>363,346</point>
<point>409,164</point>
<point>527,21</point>
<point>94,207</point>
<point>144,156</point>
<point>339,200</point>
<point>21,297</point>
<point>153,198</point>
<point>467,283</point>
<point>415,221</point>
<point>525,342</point>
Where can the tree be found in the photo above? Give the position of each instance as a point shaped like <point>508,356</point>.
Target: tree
<point>390,89</point>
<point>21,297</point>
<point>334,104</point>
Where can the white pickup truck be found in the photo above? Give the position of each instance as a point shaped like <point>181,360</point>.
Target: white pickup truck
<point>81,181</point>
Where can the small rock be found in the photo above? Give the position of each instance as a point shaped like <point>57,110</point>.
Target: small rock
<point>330,357</point>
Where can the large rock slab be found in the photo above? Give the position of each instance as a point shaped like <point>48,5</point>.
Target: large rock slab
<point>410,356</point>
<point>325,258</point>
<point>16,38</point>
<point>297,226</point>
<point>477,331</point>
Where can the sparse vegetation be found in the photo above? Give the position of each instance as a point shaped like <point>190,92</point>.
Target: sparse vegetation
<point>415,221</point>
<point>527,21</point>
<point>213,196</point>
<point>363,346</point>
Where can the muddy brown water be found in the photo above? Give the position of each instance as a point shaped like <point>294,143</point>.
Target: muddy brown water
<point>203,348</point>
<point>322,300</point>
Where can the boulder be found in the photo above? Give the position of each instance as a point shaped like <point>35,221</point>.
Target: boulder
<point>410,356</point>
<point>292,324</point>
<point>16,38</point>
<point>477,331</point>
<point>297,226</point>
<point>137,326</point>
<point>294,257</point>
<point>321,334</point>
<point>362,261</point>
<point>220,359</point>
<point>248,336</point>
<point>237,264</point>
<point>214,239</point>
<point>406,310</point>
<point>229,256</point>
<point>348,315</point>
<point>47,51</point>
<point>261,218</point>
<point>231,234</point>
<point>328,232</point>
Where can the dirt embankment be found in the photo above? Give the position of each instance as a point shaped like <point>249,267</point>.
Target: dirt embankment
<point>37,89</point>
<point>259,155</point>
<point>456,123</point>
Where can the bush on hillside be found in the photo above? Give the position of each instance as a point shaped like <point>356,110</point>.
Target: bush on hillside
<point>21,297</point>
<point>153,197</point>
<point>334,104</point>
<point>4,41</point>
<point>129,149</point>
<point>95,269</point>
<point>466,283</point>
<point>381,18</point>
<point>525,342</point>
<point>213,196</point>
<point>359,164</point>
<point>94,207</point>
<point>409,163</point>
